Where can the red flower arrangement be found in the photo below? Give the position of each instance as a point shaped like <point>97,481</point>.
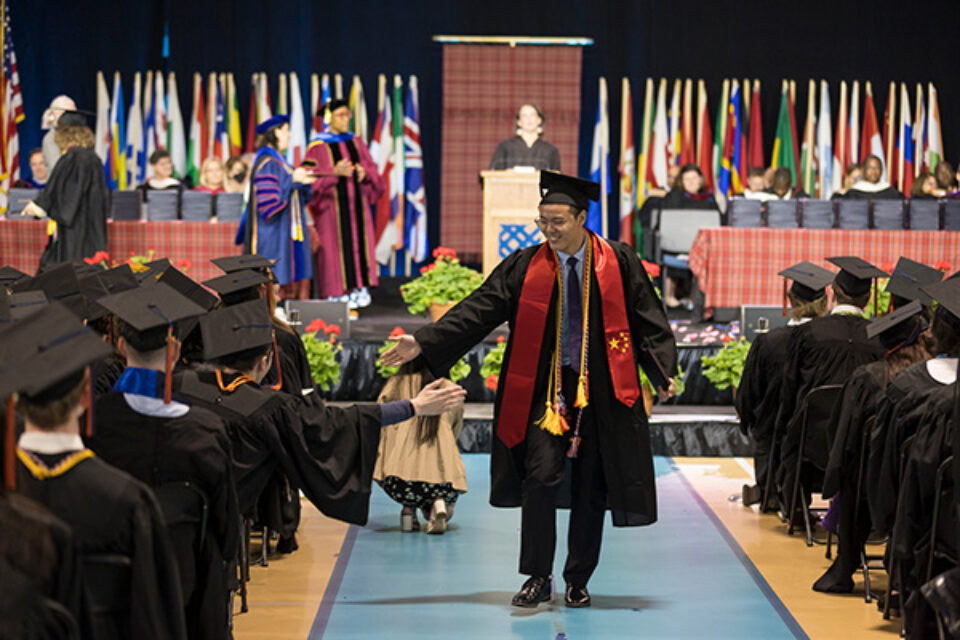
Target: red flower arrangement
<point>444,253</point>
<point>100,257</point>
<point>317,325</point>
<point>492,381</point>
<point>944,266</point>
<point>397,332</point>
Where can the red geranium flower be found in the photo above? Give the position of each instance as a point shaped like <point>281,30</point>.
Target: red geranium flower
<point>491,381</point>
<point>397,332</point>
<point>98,257</point>
<point>316,325</point>
<point>887,266</point>
<point>332,328</point>
<point>444,252</point>
<point>184,265</point>
<point>501,338</point>
<point>943,265</point>
<point>427,268</point>
<point>652,269</point>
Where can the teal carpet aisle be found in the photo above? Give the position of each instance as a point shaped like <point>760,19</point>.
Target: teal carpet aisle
<point>683,577</point>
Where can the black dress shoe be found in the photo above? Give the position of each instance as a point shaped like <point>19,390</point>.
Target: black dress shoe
<point>577,596</point>
<point>535,590</point>
<point>750,495</point>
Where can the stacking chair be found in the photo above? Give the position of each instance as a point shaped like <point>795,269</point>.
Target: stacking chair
<point>17,200</point>
<point>868,562</point>
<point>854,214</point>
<point>941,526</point>
<point>924,215</point>
<point>676,231</point>
<point>888,214</point>
<point>745,213</point>
<point>895,578</point>
<point>196,206</point>
<point>813,451</point>
<point>163,206</point>
<point>229,207</point>
<point>951,214</point>
<point>817,214</point>
<point>125,205</point>
<point>782,214</point>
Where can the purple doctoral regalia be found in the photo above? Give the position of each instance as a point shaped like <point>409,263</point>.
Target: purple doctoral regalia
<point>274,223</point>
<point>342,215</point>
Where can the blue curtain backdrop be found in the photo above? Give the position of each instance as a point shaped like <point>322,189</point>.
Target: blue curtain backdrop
<point>60,45</point>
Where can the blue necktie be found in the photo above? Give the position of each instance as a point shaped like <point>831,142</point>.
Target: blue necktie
<point>574,315</point>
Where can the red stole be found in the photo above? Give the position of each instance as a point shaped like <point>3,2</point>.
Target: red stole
<point>529,331</point>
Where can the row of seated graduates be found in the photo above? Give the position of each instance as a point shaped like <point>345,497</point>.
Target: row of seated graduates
<point>153,506</point>
<point>862,411</point>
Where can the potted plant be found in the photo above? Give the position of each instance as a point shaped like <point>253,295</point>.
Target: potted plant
<point>725,369</point>
<point>458,371</point>
<point>322,352</point>
<point>440,285</point>
<point>492,363</point>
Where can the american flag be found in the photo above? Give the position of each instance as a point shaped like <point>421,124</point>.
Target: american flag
<point>11,112</point>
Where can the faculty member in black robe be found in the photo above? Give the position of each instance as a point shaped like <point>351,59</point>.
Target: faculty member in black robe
<point>612,466</point>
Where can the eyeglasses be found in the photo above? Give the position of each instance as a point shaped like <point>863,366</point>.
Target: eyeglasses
<point>556,223</point>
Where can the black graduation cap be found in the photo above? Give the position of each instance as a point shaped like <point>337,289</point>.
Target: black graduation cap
<point>234,329</point>
<point>76,118</point>
<point>239,286</point>
<point>947,295</point>
<point>809,280</point>
<point>855,274</point>
<point>9,276</point>
<point>153,270</point>
<point>188,287</point>
<point>558,188</point>
<point>899,327</point>
<point>231,264</point>
<point>146,309</point>
<point>26,303</point>
<point>907,278</point>
<point>60,284</point>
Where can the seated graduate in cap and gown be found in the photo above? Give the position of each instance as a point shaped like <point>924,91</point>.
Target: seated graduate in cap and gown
<point>130,579</point>
<point>347,187</point>
<point>568,386</point>
<point>275,223</point>
<point>76,198</point>
<point>901,334</point>
<point>327,452</point>
<point>758,395</point>
<point>166,444</point>
<point>825,351</point>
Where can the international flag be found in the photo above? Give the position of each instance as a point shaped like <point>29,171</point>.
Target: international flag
<point>297,148</point>
<point>840,149</point>
<point>316,125</point>
<point>892,162</point>
<point>233,117</point>
<point>358,108</point>
<point>731,170</point>
<point>282,108</point>
<point>659,141</point>
<point>264,110</point>
<point>824,145</point>
<point>919,135</point>
<point>325,97</point>
<point>905,143</point>
<point>721,130</point>
<point>12,111</point>
<point>134,137</point>
<point>176,139</point>
<point>116,154</point>
<point>704,136</point>
<point>643,158</point>
<point>783,152</point>
<point>338,86</point>
<point>381,150</point>
<point>252,116</point>
<point>853,126</point>
<point>102,129</point>
<point>392,238</point>
<point>934,151</point>
<point>688,140</point>
<point>149,127</point>
<point>793,130</point>
<point>159,112</point>
<point>808,150</point>
<point>870,142</point>
<point>755,138</point>
<point>415,218</point>
<point>600,163</point>
<point>219,139</point>
<point>210,117</point>
<point>628,165</point>
<point>673,124</point>
<point>198,131</point>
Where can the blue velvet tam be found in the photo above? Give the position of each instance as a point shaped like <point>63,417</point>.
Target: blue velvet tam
<point>270,123</point>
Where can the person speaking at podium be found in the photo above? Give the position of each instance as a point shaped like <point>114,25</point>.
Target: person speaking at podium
<point>527,148</point>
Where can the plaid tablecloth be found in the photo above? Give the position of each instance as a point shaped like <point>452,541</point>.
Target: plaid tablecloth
<point>736,266</point>
<point>189,243</point>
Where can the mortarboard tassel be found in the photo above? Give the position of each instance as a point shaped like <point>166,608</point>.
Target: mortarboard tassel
<point>89,427</point>
<point>784,297</point>
<point>276,361</point>
<point>9,447</point>
<point>168,372</point>
<point>875,301</point>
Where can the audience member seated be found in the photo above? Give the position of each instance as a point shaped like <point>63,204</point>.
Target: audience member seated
<point>782,188</point>
<point>38,172</point>
<point>689,191</point>
<point>162,168</point>
<point>755,185</point>
<point>237,174</point>
<point>851,176</point>
<point>872,186</point>
<point>946,180</point>
<point>211,176</point>
<point>925,187</point>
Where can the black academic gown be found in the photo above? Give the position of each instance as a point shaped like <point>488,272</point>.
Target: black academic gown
<point>191,448</point>
<point>624,439</point>
<point>112,513</point>
<point>758,396</point>
<point>77,198</point>
<point>890,193</point>
<point>823,351</point>
<point>327,452</point>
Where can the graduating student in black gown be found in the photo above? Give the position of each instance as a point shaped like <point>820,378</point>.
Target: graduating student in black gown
<point>825,351</point>
<point>165,443</point>
<point>613,467</point>
<point>131,584</point>
<point>758,396</point>
<point>901,334</point>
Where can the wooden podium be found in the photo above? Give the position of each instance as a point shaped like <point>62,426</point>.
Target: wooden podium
<point>510,200</point>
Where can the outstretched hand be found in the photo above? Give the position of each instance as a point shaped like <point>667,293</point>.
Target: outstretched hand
<point>668,393</point>
<point>435,399</point>
<point>405,350</point>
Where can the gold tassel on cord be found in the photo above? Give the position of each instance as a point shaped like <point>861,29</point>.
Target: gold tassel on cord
<point>550,422</point>
<point>581,392</point>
